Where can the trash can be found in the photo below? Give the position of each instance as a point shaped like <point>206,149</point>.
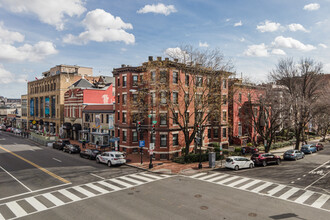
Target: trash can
<point>212,159</point>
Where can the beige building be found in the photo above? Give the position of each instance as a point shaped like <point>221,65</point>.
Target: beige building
<point>46,97</point>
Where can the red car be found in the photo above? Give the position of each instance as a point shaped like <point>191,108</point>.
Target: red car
<point>265,158</point>
<point>318,146</point>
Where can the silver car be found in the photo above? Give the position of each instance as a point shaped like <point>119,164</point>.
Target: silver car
<point>293,155</point>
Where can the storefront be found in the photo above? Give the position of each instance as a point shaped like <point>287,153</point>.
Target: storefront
<point>100,139</point>
<point>67,130</point>
<point>75,130</point>
<point>84,136</point>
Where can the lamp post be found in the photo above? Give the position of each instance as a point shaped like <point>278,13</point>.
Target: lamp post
<point>199,142</point>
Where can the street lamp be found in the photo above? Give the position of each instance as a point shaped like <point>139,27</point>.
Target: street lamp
<point>199,142</point>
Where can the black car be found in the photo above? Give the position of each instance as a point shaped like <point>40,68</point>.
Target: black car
<point>90,153</point>
<point>71,148</point>
<point>60,144</point>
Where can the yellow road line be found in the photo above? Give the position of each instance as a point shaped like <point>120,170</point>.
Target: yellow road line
<point>37,166</point>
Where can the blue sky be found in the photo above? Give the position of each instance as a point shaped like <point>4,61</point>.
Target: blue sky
<point>36,35</point>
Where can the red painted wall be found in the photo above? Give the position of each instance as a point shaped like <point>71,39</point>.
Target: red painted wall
<point>97,96</point>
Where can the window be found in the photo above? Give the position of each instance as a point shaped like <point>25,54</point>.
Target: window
<point>37,107</point>
<point>134,117</point>
<point>134,98</point>
<point>124,99</point>
<point>153,76</point>
<point>118,99</point>
<point>209,133</point>
<point>224,99</point>
<point>175,98</point>
<point>215,133</point>
<point>187,80</point>
<point>141,78</point>
<point>163,97</point>
<point>163,119</point>
<point>224,132</point>
<point>118,81</point>
<point>118,114</point>
<point>41,107</point>
<point>186,98</point>
<point>124,117</point>
<point>163,140</point>
<point>199,81</point>
<point>239,129</point>
<point>198,98</point>
<point>153,98</point>
<point>53,106</point>
<point>175,118</point>
<point>86,117</point>
<point>224,84</point>
<point>107,118</point>
<point>124,136</point>
<point>240,97</point>
<point>224,116</point>
<point>175,139</point>
<point>134,136</point>
<point>135,80</point>
<point>255,112</point>
<point>102,118</point>
<point>175,77</point>
<point>124,80</point>
<point>163,76</point>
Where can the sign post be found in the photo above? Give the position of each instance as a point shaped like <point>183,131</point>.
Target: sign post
<point>141,145</point>
<point>151,152</point>
<point>220,154</point>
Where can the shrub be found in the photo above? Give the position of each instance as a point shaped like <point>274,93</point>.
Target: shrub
<point>249,144</point>
<point>238,149</point>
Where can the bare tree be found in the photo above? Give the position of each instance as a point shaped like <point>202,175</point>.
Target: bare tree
<point>302,85</point>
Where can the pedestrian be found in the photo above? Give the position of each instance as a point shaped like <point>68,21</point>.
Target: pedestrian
<point>243,150</point>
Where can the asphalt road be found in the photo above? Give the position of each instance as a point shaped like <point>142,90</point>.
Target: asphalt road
<point>26,167</point>
<point>312,172</point>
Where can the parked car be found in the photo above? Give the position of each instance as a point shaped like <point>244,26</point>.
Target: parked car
<point>237,163</point>
<point>111,158</point>
<point>71,148</point>
<point>9,129</point>
<point>90,153</point>
<point>250,149</point>
<point>293,155</point>
<point>308,149</point>
<point>265,158</point>
<point>318,146</point>
<point>60,144</point>
<point>17,131</point>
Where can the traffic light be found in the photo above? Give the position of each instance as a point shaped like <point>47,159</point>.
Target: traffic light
<point>153,129</point>
<point>138,126</point>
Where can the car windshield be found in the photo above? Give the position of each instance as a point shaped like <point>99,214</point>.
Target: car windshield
<point>118,155</point>
<point>289,152</point>
<point>229,160</point>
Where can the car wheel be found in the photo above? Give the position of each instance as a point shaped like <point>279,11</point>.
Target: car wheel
<point>251,166</point>
<point>97,160</point>
<point>264,163</point>
<point>109,163</point>
<point>236,168</point>
<point>278,162</point>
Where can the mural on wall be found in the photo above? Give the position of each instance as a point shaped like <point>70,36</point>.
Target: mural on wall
<point>47,106</point>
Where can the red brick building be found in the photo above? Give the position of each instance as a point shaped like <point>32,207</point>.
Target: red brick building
<point>168,138</point>
<point>91,91</point>
<point>242,130</point>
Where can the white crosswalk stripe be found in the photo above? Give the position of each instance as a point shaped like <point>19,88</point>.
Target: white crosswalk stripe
<point>72,193</point>
<point>259,186</point>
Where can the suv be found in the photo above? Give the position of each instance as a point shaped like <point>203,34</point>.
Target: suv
<point>265,158</point>
<point>60,144</point>
<point>111,158</point>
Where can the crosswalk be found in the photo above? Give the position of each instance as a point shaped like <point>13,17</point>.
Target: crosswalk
<point>288,193</point>
<point>42,202</point>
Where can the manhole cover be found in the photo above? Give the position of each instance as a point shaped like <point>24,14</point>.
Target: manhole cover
<point>252,214</point>
<point>198,196</point>
<point>204,207</point>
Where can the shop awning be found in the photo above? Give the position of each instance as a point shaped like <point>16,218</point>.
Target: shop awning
<point>113,140</point>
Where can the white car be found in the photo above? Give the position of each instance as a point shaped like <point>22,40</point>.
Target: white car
<point>237,163</point>
<point>111,158</point>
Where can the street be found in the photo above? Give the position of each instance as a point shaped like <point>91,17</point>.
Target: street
<point>37,182</point>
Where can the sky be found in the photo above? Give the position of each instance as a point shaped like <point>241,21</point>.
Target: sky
<point>36,35</point>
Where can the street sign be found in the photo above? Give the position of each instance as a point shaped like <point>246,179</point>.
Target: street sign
<point>221,152</point>
<point>152,146</point>
<point>34,122</point>
<point>142,143</point>
<point>149,116</point>
<point>154,122</point>
<point>151,152</point>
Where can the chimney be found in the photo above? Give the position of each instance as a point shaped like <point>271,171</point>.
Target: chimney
<point>123,65</point>
<point>159,58</point>
<point>150,58</point>
<point>176,60</point>
<point>167,59</point>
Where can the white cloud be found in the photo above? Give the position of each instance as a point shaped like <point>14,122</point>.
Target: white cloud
<point>242,39</point>
<point>312,7</point>
<point>177,53</point>
<point>259,50</point>
<point>7,77</point>
<point>9,37</point>
<point>288,42</point>
<point>205,44</point>
<point>158,9</point>
<point>268,26</point>
<point>101,26</point>
<point>323,45</point>
<point>278,52</point>
<point>48,11</point>
<point>238,24</point>
<point>27,52</point>
<point>297,27</point>
<point>228,19</point>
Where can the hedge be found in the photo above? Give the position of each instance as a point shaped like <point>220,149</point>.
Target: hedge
<point>193,158</point>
